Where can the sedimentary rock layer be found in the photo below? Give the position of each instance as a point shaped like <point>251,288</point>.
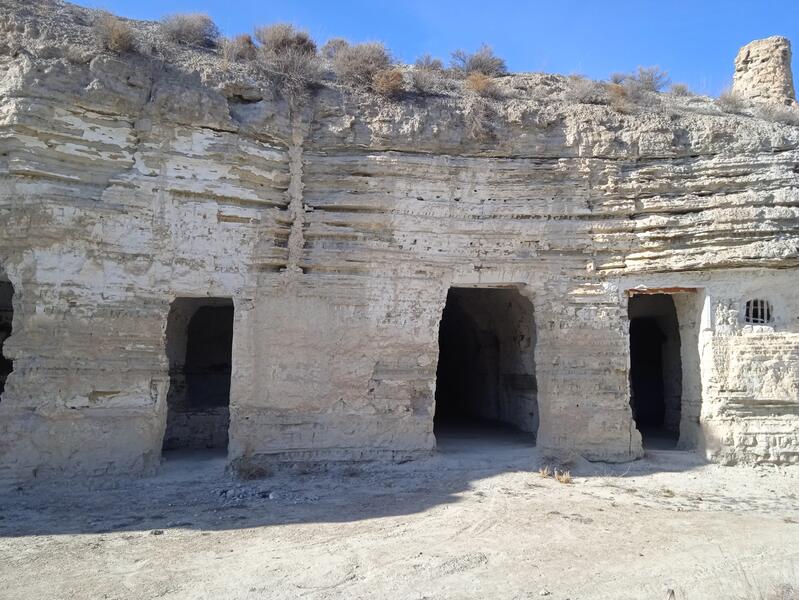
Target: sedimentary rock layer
<point>337,229</point>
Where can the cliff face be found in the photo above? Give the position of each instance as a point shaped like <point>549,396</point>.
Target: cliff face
<point>337,229</point>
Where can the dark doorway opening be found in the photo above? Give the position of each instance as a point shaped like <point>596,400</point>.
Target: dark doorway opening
<point>199,341</point>
<point>6,319</point>
<point>486,367</point>
<point>655,369</point>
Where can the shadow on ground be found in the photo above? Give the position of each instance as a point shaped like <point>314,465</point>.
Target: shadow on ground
<point>193,490</point>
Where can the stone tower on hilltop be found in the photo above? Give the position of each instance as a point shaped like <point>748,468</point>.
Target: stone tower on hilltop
<point>763,71</point>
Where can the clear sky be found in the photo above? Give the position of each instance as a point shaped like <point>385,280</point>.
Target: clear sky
<point>694,40</point>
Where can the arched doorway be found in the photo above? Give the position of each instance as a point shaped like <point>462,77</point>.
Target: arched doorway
<point>199,339</point>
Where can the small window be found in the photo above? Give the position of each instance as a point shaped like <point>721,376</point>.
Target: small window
<point>758,312</point>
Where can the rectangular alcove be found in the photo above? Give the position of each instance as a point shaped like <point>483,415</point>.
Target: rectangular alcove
<point>655,369</point>
<point>6,319</point>
<point>199,345</point>
<point>485,381</point>
<point>665,377</point>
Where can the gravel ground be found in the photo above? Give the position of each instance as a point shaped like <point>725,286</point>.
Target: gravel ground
<point>476,520</point>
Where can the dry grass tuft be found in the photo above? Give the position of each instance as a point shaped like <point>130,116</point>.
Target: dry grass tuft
<point>190,29</point>
<point>545,472</point>
<point>563,477</point>
<point>482,85</point>
<point>114,34</point>
<point>389,83</point>
<point>241,47</point>
<point>358,64</point>
<point>483,61</point>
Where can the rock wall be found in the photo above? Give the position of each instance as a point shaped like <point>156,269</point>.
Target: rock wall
<point>337,230</point>
<point>763,71</point>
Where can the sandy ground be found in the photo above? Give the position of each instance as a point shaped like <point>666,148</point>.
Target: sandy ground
<point>474,521</point>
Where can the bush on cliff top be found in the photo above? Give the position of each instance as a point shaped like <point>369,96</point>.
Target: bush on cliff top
<point>389,83</point>
<point>289,55</point>
<point>483,61</point>
<point>190,29</point>
<point>358,64</point>
<point>428,75</point>
<point>114,34</point>
<point>241,47</point>
<point>647,79</point>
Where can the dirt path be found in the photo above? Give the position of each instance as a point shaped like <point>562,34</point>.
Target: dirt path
<point>472,522</point>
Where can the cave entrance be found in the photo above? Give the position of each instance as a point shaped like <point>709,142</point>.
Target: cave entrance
<point>485,382</point>
<point>6,319</point>
<point>199,340</point>
<point>655,369</point>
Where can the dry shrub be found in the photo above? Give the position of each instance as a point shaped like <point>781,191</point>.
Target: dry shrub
<point>680,89</point>
<point>281,38</point>
<point>544,471</point>
<point>428,63</point>
<point>479,120</point>
<point>777,113</point>
<point>389,83</point>
<point>730,102</point>
<point>584,91</point>
<point>191,29</point>
<point>619,96</point>
<point>651,79</point>
<point>241,47</point>
<point>481,85</point>
<point>646,79</point>
<point>563,477</point>
<point>428,75</point>
<point>483,61</point>
<point>618,78</point>
<point>114,34</point>
<point>357,65</point>
<point>626,96</point>
<point>332,47</point>
<point>289,55</point>
<point>427,82</point>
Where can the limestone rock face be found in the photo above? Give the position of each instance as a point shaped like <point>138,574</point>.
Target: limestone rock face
<point>338,228</point>
<point>763,71</point>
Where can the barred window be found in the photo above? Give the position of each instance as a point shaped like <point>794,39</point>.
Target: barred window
<point>758,312</point>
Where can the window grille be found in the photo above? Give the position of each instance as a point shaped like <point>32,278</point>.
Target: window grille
<point>758,312</point>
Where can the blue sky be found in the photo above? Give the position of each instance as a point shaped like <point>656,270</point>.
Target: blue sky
<point>695,41</point>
